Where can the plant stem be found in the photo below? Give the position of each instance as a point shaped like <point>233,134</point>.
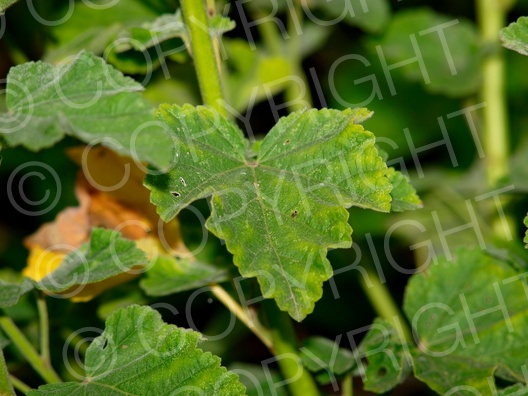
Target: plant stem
<point>196,20</point>
<point>19,385</point>
<point>347,386</point>
<point>43,328</point>
<point>6,387</point>
<point>491,16</point>
<point>27,350</point>
<point>252,323</point>
<point>384,305</point>
<point>300,381</point>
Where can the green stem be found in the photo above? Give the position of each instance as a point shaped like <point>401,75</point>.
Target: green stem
<point>384,305</point>
<point>491,16</point>
<point>252,323</point>
<point>287,352</point>
<point>43,328</point>
<point>6,387</point>
<point>195,17</point>
<point>19,385</point>
<point>27,350</point>
<point>347,386</point>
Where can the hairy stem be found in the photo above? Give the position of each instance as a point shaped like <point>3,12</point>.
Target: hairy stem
<point>20,386</point>
<point>300,381</point>
<point>196,20</point>
<point>27,350</point>
<point>6,387</point>
<point>252,323</point>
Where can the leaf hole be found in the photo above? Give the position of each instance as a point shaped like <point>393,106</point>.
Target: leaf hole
<point>294,214</point>
<point>175,194</point>
<point>105,344</point>
<point>382,372</point>
<point>287,141</point>
<point>182,181</point>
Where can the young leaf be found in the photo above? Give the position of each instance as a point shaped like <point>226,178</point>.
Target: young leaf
<point>469,317</point>
<point>87,99</point>
<point>321,356</point>
<point>169,275</point>
<point>515,36</point>
<point>10,292</point>
<point>105,256</point>
<point>281,211</point>
<point>384,371</point>
<point>139,354</point>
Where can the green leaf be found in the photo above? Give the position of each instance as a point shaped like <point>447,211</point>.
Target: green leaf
<point>281,211</point>
<point>6,389</point>
<point>11,292</point>
<point>259,382</point>
<point>139,354</point>
<point>403,194</point>
<point>321,356</point>
<point>371,16</point>
<point>169,275</point>
<point>5,4</point>
<point>461,77</point>
<point>515,36</point>
<point>469,317</point>
<point>384,371</point>
<point>87,99</point>
<point>107,254</point>
<point>526,234</point>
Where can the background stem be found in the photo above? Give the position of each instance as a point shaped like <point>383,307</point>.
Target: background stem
<point>384,305</point>
<point>43,328</point>
<point>6,387</point>
<point>196,20</point>
<point>27,350</point>
<point>285,346</point>
<point>491,16</point>
<point>19,385</point>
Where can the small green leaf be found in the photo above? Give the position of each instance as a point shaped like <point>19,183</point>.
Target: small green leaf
<point>281,211</point>
<point>106,255</point>
<point>515,36</point>
<point>403,194</point>
<point>139,354</point>
<point>169,275</point>
<point>384,371</point>
<point>87,99</point>
<point>469,317</point>
<point>11,292</point>
<point>448,47</point>
<point>321,356</point>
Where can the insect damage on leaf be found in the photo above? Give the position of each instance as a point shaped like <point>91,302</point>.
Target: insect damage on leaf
<point>318,162</point>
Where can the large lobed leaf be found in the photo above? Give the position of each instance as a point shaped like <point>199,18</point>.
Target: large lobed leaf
<point>470,318</point>
<point>515,36</point>
<point>10,292</point>
<point>139,354</point>
<point>87,99</point>
<point>280,210</point>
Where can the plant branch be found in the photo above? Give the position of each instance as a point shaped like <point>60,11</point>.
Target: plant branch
<point>285,349</point>
<point>6,387</point>
<point>196,20</point>
<point>491,16</point>
<point>384,305</point>
<point>43,328</point>
<point>20,386</point>
<point>27,350</point>
<point>252,323</point>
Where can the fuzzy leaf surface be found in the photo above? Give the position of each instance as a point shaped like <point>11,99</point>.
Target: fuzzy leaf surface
<point>11,292</point>
<point>470,318</point>
<point>515,36</point>
<point>87,99</point>
<point>139,354</point>
<point>281,209</point>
